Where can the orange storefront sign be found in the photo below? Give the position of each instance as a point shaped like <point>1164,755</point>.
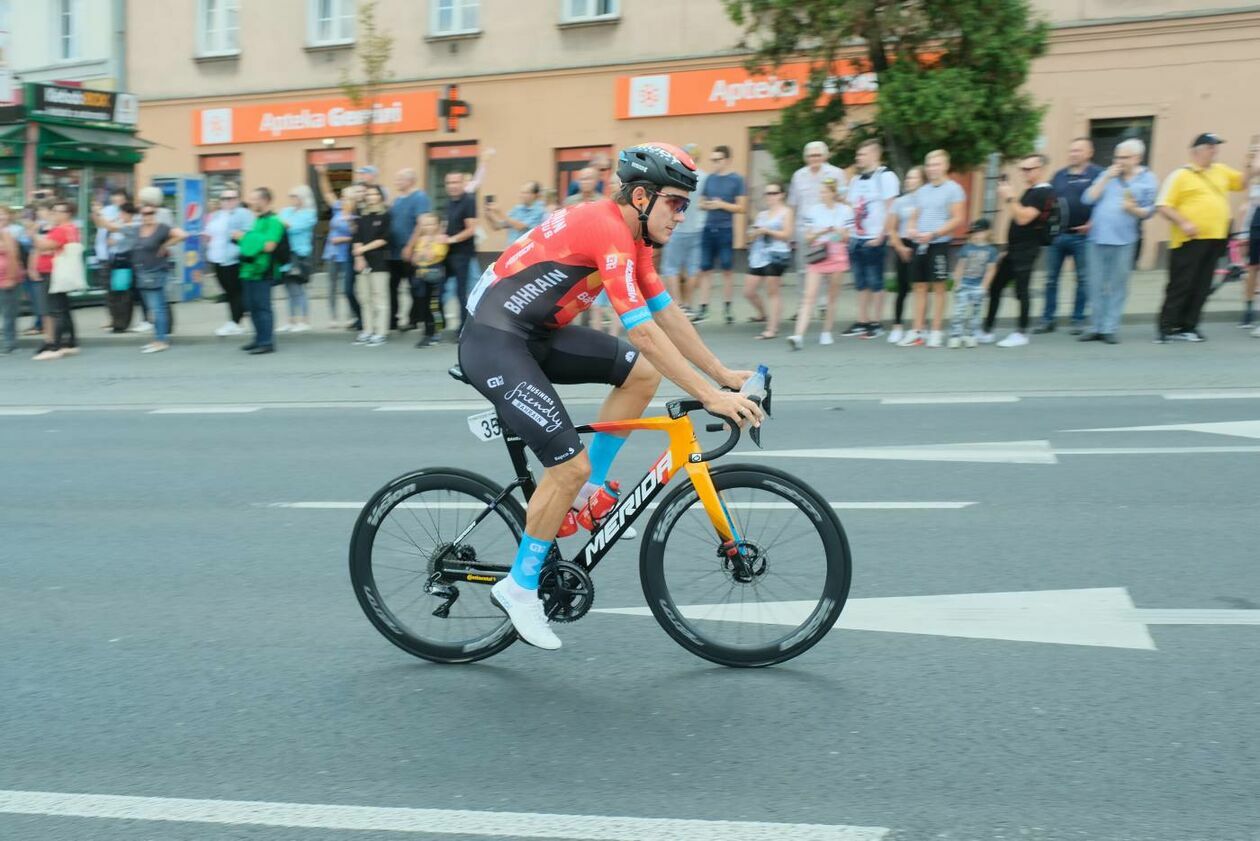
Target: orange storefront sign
<point>314,118</point>
<point>731,89</point>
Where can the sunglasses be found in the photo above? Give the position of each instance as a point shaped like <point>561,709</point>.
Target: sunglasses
<point>676,204</point>
<point>717,159</point>
<point>774,192</point>
<point>147,212</point>
<point>1029,168</point>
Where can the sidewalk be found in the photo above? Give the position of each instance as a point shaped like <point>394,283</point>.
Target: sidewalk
<point>1146,296</point>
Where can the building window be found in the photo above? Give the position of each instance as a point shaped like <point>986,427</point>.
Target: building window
<point>217,27</point>
<point>68,26</point>
<point>331,22</point>
<point>455,17</point>
<point>582,11</point>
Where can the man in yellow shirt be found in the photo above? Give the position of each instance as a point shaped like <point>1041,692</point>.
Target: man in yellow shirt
<point>1195,199</point>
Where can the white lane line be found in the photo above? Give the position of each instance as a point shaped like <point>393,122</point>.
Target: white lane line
<point>1154,451</point>
<point>13,413</point>
<point>759,506</point>
<point>205,410</point>
<point>1238,394</point>
<point>948,399</point>
<point>428,821</point>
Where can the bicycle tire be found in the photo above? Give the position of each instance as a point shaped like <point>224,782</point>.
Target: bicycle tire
<point>691,634</point>
<point>362,575</point>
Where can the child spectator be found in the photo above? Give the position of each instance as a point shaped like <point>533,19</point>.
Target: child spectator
<point>977,263</point>
<point>428,254</point>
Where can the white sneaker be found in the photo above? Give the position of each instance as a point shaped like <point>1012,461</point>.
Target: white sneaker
<point>984,338</point>
<point>795,343</point>
<point>911,339</point>
<point>1255,334</point>
<point>362,339</point>
<point>229,328</point>
<point>955,342</point>
<point>896,335</point>
<point>525,610</point>
<point>285,328</point>
<point>630,533</point>
<point>824,338</point>
<point>970,341</point>
<point>142,327</point>
<point>375,341</point>
<point>935,339</point>
<point>1014,340</point>
<point>300,328</point>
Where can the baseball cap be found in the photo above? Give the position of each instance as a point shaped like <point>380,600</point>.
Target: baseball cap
<point>1207,139</point>
<point>367,169</point>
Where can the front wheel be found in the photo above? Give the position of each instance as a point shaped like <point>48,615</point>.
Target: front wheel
<point>777,598</point>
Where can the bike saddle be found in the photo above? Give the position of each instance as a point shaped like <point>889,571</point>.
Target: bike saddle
<point>457,373</point>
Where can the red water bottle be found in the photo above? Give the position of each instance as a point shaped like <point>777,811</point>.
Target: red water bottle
<point>598,506</point>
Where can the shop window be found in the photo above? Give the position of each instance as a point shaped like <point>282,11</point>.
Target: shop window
<point>445,158</point>
<point>584,11</point>
<point>1107,134</point>
<point>68,26</point>
<point>570,161</point>
<point>330,22</point>
<point>222,172</point>
<point>454,17</point>
<point>218,27</point>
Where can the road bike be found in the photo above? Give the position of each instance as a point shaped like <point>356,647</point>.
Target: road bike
<point>742,565</point>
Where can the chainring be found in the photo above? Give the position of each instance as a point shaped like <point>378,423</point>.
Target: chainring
<point>566,590</point>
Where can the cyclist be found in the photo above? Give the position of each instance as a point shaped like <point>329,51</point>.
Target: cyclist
<point>519,340</point>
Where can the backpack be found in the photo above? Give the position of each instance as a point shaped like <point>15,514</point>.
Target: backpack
<point>1053,218</point>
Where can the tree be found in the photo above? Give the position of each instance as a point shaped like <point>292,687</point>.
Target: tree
<point>372,51</point>
<point>949,74</point>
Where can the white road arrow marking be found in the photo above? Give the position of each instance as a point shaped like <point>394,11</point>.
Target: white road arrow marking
<point>429,822</point>
<point>1103,617</point>
<point>1238,429</point>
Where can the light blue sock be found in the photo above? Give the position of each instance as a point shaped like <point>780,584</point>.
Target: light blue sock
<point>604,448</point>
<point>529,561</point>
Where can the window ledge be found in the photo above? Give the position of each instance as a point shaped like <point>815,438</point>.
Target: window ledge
<point>582,23</point>
<point>330,46</point>
<point>466,35</point>
<point>205,58</point>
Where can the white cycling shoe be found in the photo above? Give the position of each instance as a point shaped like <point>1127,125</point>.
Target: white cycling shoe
<point>525,610</point>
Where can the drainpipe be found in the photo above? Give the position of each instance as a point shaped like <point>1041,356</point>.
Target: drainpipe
<point>120,44</point>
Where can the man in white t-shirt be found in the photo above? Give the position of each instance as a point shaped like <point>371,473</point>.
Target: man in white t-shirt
<point>870,194</point>
<point>803,190</point>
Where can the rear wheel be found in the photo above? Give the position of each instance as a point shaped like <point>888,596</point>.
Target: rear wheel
<point>406,534</point>
<point>778,596</point>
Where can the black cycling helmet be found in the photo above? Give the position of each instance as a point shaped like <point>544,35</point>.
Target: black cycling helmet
<point>661,164</point>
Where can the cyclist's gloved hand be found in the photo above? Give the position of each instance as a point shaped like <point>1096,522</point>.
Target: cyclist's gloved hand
<point>732,404</point>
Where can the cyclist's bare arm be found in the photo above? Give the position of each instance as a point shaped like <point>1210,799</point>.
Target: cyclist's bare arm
<point>654,341</point>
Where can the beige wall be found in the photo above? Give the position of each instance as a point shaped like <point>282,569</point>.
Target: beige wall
<point>1060,11</point>
<point>516,36</point>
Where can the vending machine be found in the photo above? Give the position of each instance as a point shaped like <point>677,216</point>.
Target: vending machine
<point>185,197</point>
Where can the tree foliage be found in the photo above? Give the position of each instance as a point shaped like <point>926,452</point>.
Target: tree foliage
<point>372,52</point>
<point>950,73</point>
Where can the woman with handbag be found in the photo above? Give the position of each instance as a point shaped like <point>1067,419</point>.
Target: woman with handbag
<point>119,240</point>
<point>60,265</point>
<point>828,226</point>
<point>151,268</point>
<point>299,220</point>
<point>769,254</point>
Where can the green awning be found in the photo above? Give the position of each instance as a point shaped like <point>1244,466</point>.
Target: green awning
<point>74,136</point>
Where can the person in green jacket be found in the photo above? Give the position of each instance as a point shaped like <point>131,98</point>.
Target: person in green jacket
<point>256,246</point>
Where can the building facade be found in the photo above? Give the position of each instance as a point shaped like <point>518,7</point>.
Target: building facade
<point>252,92</point>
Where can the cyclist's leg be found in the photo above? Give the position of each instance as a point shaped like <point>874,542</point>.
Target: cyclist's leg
<point>581,355</point>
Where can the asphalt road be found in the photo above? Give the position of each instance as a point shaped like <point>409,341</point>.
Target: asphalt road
<point>169,631</point>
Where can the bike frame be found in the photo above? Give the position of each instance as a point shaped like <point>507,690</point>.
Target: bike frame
<point>684,450</point>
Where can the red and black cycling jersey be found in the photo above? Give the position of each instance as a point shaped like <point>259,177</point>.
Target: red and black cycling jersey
<point>552,274</point>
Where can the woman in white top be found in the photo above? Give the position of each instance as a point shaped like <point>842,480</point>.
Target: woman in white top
<point>899,235</point>
<point>828,226</point>
<point>769,254</point>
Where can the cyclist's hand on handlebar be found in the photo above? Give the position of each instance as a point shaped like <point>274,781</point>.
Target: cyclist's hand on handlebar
<point>734,379</point>
<point>732,404</point>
